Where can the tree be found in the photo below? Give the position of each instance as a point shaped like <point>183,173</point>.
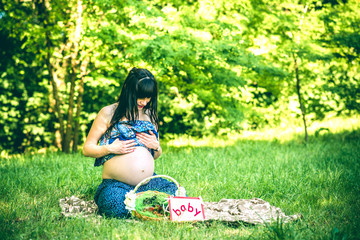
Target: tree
<point>62,37</point>
<point>222,66</point>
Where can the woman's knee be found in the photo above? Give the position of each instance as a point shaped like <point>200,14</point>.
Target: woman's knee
<point>111,203</point>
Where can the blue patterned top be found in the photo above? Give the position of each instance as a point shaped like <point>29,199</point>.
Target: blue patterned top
<point>125,130</point>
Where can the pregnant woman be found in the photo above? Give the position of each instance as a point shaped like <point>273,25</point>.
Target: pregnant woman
<point>124,139</point>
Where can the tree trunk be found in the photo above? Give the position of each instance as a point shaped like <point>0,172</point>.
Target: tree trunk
<point>73,77</point>
<point>77,117</point>
<point>55,93</point>
<point>65,65</point>
<point>69,123</point>
<point>302,108</point>
<point>83,73</point>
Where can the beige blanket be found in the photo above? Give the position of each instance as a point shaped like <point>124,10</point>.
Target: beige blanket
<point>253,211</point>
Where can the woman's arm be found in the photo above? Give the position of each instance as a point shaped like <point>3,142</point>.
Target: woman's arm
<point>150,141</point>
<point>158,153</point>
<point>98,128</point>
<point>159,150</point>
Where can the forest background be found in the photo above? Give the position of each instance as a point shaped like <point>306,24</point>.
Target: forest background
<point>223,66</point>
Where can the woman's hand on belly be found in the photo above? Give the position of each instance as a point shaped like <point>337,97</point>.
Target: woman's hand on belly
<point>121,147</point>
<point>150,141</point>
<point>130,168</point>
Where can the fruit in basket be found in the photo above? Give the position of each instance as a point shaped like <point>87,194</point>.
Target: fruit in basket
<point>152,204</point>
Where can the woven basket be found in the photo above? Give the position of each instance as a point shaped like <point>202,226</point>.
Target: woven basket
<point>130,197</point>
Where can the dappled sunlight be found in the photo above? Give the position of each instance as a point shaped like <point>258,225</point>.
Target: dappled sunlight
<point>282,134</point>
<point>262,45</point>
<point>328,202</point>
<point>319,180</point>
<point>236,83</point>
<point>242,232</point>
<point>207,10</point>
<point>185,140</point>
<point>203,35</point>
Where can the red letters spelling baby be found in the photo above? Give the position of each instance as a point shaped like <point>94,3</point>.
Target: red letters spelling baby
<point>186,209</point>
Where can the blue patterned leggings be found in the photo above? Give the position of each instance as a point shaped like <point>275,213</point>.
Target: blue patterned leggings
<point>110,195</point>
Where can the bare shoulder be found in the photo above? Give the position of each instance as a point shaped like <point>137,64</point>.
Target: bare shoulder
<point>108,111</point>
<point>146,117</point>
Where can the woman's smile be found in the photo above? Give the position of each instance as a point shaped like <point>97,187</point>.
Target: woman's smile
<point>142,102</point>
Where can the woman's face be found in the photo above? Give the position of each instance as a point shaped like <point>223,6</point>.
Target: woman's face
<point>142,102</point>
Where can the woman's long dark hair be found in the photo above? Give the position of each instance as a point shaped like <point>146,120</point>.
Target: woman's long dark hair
<point>139,83</point>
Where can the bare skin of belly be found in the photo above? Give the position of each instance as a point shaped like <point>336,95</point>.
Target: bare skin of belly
<point>130,168</point>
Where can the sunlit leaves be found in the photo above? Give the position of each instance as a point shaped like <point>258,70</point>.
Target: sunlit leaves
<point>222,65</point>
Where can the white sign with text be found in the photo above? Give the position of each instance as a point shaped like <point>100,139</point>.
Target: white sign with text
<point>186,209</point>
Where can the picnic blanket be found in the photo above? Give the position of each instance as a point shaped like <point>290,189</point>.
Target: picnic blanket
<point>252,211</point>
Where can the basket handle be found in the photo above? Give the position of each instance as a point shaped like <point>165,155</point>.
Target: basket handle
<point>130,197</point>
<point>146,180</point>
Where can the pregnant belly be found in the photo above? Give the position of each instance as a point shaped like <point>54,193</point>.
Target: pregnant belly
<point>130,168</point>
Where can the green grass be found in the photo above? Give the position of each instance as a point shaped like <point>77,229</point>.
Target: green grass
<point>320,180</point>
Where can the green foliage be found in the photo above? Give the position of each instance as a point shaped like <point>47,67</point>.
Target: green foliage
<point>222,66</point>
<point>24,119</point>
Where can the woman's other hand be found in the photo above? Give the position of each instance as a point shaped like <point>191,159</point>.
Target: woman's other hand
<point>150,141</point>
<point>121,147</point>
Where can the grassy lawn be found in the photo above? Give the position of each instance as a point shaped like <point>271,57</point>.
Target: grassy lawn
<point>320,180</point>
